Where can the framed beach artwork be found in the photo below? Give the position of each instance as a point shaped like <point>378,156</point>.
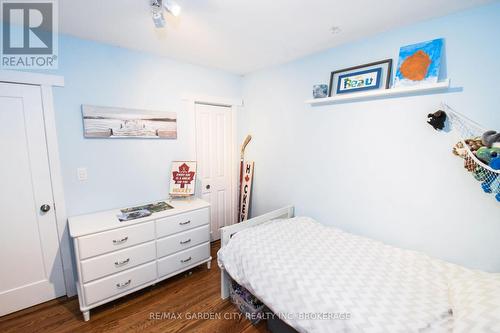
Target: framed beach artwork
<point>419,63</point>
<point>109,122</point>
<point>372,76</point>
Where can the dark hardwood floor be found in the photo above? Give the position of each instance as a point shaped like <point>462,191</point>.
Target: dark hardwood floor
<point>188,303</point>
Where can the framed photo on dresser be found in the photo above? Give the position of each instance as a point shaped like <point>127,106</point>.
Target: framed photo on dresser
<point>182,178</point>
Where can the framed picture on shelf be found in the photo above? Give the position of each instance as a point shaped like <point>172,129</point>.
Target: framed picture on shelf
<point>419,63</point>
<point>372,76</point>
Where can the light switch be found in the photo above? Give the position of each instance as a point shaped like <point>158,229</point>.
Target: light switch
<point>82,174</point>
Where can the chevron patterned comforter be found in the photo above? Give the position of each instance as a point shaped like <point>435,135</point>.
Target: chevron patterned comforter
<point>321,279</point>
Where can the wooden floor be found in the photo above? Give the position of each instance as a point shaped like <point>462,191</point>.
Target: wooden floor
<point>185,296</point>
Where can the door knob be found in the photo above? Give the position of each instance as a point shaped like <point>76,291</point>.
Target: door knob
<point>207,187</point>
<point>45,208</point>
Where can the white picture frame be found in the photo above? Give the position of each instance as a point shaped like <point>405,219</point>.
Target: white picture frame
<point>111,123</point>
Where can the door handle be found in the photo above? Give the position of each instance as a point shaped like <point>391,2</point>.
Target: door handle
<point>207,187</point>
<point>45,208</point>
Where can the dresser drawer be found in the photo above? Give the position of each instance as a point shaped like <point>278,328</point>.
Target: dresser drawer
<point>104,242</point>
<point>182,241</point>
<point>118,283</point>
<point>180,260</point>
<point>117,261</point>
<point>177,223</point>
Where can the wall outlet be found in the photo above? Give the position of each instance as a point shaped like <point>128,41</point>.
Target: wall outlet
<point>82,174</point>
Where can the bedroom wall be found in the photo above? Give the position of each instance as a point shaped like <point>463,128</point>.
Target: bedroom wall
<point>375,167</point>
<point>125,171</point>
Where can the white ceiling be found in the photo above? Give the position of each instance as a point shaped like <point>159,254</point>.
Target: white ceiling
<point>241,36</point>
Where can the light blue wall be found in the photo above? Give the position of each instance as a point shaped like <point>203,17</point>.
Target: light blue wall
<point>375,167</point>
<point>125,171</point>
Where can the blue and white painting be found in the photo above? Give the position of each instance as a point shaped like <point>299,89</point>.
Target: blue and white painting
<point>419,63</point>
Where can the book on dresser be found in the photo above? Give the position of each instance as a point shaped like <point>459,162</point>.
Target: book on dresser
<point>115,258</point>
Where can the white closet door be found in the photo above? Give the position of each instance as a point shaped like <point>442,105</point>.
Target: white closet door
<point>30,264</point>
<point>214,142</point>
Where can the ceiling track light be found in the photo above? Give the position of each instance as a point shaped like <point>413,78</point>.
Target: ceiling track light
<point>157,10</point>
<point>173,7</point>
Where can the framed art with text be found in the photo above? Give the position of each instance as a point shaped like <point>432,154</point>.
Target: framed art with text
<point>183,178</point>
<point>375,75</point>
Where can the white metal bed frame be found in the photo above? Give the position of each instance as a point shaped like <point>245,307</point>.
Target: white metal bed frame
<point>229,231</point>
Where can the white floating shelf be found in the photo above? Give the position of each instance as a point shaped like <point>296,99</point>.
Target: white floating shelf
<point>393,92</point>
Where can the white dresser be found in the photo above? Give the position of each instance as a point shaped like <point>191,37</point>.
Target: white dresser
<point>116,258</point>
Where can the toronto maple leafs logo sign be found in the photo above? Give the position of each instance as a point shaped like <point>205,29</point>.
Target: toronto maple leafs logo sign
<point>183,178</point>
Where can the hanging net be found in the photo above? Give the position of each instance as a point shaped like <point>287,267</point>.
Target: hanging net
<point>470,146</point>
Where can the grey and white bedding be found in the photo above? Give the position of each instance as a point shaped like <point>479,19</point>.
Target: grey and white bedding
<point>321,279</point>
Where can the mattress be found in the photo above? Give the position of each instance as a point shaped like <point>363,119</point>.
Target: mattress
<point>321,279</point>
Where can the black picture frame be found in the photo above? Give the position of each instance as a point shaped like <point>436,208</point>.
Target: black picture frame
<point>388,73</point>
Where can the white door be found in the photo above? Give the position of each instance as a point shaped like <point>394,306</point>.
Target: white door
<point>30,263</point>
<point>213,151</point>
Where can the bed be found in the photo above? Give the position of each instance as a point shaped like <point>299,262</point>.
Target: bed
<point>317,278</point>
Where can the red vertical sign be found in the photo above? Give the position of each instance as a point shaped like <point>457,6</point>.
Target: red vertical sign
<point>246,190</point>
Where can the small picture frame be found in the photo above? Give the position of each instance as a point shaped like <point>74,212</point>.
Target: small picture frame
<point>372,76</point>
<point>320,90</point>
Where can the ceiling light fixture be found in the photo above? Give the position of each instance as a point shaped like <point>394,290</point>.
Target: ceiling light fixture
<point>173,7</point>
<point>157,9</point>
<point>157,12</point>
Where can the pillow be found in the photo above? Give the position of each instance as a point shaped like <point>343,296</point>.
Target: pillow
<point>475,302</point>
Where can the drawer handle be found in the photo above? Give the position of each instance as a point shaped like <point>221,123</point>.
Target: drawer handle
<point>123,285</point>
<point>184,223</point>
<point>120,241</point>
<point>186,241</point>
<point>122,263</point>
<point>186,260</point>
